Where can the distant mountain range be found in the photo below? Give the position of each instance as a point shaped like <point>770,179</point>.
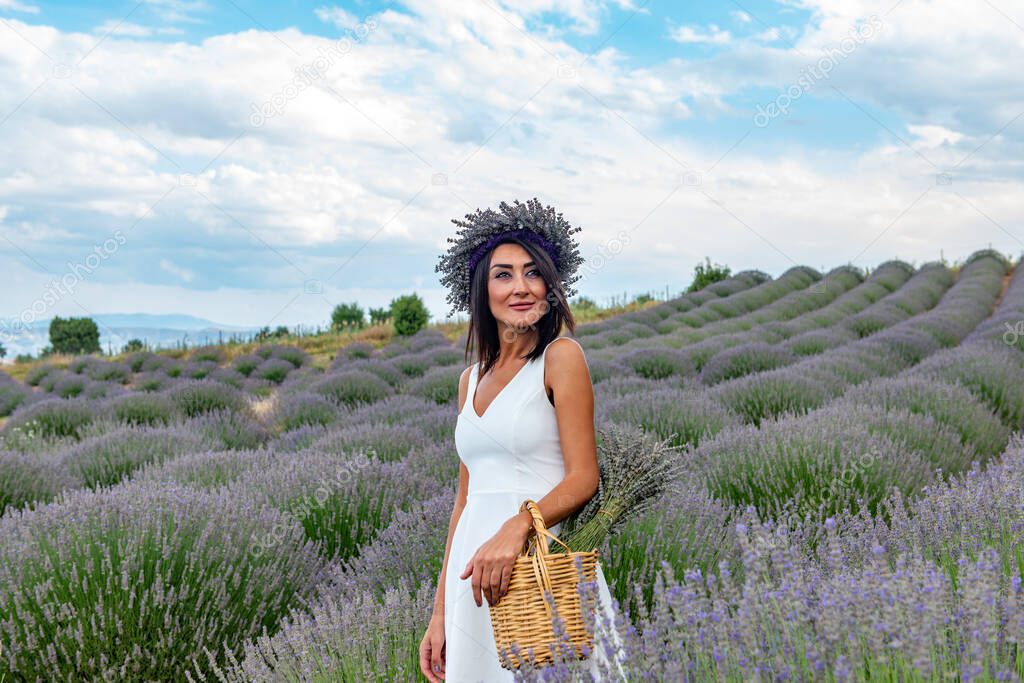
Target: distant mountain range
<point>160,331</point>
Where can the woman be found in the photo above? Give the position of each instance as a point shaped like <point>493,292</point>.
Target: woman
<point>525,425</point>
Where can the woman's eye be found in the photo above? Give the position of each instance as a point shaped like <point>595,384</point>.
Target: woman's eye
<point>505,272</point>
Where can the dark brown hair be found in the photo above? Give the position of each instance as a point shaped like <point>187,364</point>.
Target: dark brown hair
<point>483,326</point>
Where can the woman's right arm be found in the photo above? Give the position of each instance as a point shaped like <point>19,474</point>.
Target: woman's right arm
<point>460,503</point>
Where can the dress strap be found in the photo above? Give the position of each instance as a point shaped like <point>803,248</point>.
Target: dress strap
<point>474,377</point>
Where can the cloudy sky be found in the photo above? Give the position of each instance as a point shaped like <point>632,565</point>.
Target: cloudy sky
<point>256,163</point>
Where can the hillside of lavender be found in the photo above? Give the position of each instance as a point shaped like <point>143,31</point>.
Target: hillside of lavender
<point>850,503</point>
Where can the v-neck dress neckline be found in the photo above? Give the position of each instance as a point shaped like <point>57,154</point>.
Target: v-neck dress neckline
<point>476,381</point>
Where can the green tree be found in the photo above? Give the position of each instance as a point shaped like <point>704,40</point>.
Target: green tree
<point>347,315</point>
<point>705,273</point>
<point>409,314</point>
<point>133,345</point>
<point>74,335</point>
<point>379,315</point>
<point>643,298</point>
<point>584,303</point>
<point>3,351</point>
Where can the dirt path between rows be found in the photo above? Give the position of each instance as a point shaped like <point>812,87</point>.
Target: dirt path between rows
<point>1006,285</point>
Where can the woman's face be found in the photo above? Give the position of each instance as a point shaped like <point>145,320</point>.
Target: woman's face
<point>516,291</point>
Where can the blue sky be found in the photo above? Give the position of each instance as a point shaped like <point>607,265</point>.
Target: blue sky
<point>628,27</point>
<point>761,134</point>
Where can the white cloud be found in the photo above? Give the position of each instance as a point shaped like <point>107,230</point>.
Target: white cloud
<point>15,6</point>
<point>631,6</point>
<point>934,62</point>
<point>586,15</point>
<point>768,35</point>
<point>39,233</point>
<point>128,29</point>
<point>177,271</point>
<point>175,11</point>
<point>693,34</point>
<point>933,136</point>
<point>337,16</point>
<point>740,16</point>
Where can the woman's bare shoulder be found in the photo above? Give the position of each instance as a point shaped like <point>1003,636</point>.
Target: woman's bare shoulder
<point>565,361</point>
<point>572,349</point>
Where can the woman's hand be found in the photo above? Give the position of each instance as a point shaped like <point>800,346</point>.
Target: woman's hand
<point>491,565</point>
<point>432,650</point>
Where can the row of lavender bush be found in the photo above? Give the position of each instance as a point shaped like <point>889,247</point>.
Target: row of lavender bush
<point>688,413</point>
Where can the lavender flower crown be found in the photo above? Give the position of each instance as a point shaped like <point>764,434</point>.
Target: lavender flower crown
<point>484,230</point>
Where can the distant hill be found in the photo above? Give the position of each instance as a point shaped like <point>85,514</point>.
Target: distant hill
<point>117,328</point>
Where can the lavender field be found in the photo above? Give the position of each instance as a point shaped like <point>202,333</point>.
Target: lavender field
<point>851,503</point>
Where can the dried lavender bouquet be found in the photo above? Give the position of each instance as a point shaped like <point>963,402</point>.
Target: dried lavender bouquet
<point>636,470</point>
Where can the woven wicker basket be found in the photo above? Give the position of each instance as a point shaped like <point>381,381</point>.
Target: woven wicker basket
<point>523,616</point>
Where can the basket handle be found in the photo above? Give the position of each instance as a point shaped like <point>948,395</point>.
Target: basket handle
<point>540,540</point>
<point>540,529</point>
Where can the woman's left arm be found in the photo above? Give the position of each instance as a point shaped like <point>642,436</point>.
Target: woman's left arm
<point>573,390</point>
<point>569,377</point>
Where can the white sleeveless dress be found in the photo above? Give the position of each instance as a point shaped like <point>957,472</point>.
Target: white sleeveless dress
<point>513,452</point>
